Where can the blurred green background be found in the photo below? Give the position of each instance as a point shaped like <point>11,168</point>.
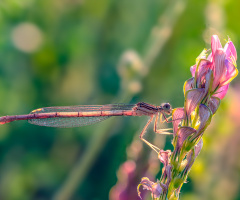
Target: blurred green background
<point>70,52</point>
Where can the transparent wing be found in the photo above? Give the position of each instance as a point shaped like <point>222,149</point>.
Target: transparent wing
<point>67,122</point>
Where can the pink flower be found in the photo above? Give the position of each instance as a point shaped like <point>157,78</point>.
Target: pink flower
<point>155,188</point>
<point>164,157</point>
<point>203,92</point>
<point>221,61</point>
<point>224,62</point>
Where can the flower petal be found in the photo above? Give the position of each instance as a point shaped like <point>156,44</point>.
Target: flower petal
<point>156,190</point>
<point>178,115</point>
<point>188,85</point>
<point>146,183</point>
<point>221,92</point>
<point>215,44</point>
<point>193,70</point>
<point>230,50</point>
<point>163,156</point>
<point>232,72</point>
<point>203,68</point>
<point>183,133</point>
<point>231,68</point>
<point>214,103</point>
<point>198,147</point>
<point>208,81</point>
<point>219,67</point>
<point>205,115</point>
<point>192,99</point>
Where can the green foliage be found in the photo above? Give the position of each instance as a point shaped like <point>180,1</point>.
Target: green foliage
<point>68,52</point>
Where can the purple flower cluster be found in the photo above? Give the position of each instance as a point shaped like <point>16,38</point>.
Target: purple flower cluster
<point>203,92</point>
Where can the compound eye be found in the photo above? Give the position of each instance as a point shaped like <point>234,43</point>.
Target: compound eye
<point>166,106</point>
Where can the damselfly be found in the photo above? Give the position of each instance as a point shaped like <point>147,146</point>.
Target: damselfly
<point>74,116</point>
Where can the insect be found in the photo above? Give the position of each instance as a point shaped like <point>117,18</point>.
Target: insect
<point>75,116</point>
